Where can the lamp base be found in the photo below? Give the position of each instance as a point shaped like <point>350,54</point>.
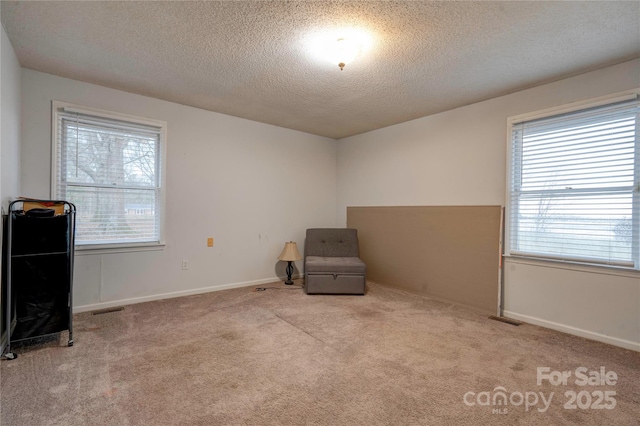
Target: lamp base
<point>289,272</point>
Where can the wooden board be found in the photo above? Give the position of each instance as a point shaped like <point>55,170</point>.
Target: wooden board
<point>447,253</point>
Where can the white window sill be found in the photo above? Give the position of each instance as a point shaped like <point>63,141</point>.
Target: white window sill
<point>84,250</point>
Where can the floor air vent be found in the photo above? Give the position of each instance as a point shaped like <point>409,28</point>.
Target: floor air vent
<point>107,310</point>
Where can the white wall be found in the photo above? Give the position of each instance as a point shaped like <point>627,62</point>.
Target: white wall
<point>459,158</point>
<point>10,126</point>
<point>581,301</point>
<point>9,132</point>
<point>249,185</point>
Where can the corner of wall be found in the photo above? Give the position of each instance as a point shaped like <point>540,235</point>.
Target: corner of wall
<point>10,115</point>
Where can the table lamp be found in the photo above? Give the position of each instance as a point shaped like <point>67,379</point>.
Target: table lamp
<point>289,254</point>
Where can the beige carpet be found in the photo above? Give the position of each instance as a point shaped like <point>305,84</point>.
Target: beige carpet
<point>280,357</point>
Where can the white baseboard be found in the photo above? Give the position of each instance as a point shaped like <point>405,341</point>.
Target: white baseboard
<point>627,344</point>
<point>171,295</point>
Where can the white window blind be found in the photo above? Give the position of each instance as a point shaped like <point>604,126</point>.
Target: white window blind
<point>574,186</point>
<point>110,169</point>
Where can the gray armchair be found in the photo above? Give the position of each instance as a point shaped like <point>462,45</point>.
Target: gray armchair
<point>331,262</point>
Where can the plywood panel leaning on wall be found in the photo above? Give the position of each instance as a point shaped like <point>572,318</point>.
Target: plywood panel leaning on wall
<point>447,253</point>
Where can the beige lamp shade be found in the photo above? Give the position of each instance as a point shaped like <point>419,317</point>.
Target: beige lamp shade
<point>290,252</point>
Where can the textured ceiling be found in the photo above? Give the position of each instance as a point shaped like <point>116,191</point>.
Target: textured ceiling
<point>250,59</point>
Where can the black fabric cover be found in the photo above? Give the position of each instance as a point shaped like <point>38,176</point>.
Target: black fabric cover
<point>39,235</point>
<point>41,290</point>
<point>41,213</point>
<point>40,273</point>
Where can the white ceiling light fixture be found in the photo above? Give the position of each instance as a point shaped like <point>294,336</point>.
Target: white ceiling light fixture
<point>340,47</point>
<point>344,51</point>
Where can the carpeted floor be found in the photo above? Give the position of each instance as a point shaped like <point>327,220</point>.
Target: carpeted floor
<point>280,357</point>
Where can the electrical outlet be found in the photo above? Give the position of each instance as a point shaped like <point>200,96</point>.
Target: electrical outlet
<point>210,242</point>
<point>185,265</point>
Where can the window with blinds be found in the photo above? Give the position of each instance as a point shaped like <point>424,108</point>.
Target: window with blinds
<point>575,186</point>
<point>110,168</point>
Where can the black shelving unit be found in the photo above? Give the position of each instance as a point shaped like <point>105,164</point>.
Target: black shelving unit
<point>38,271</point>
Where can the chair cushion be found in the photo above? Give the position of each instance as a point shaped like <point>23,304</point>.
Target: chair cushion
<point>334,265</point>
<point>331,242</point>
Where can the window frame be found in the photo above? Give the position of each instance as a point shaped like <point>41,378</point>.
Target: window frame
<point>512,121</point>
<point>60,107</point>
